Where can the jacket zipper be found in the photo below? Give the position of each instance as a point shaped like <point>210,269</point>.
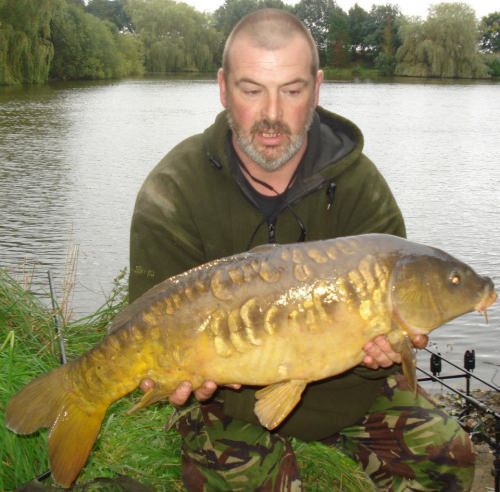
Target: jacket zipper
<point>330,193</point>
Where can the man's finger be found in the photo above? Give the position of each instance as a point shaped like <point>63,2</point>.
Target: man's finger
<point>369,362</point>
<point>420,341</point>
<point>379,353</point>
<point>181,394</point>
<point>233,386</point>
<point>205,391</point>
<point>146,385</point>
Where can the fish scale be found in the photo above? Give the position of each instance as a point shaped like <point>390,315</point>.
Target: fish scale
<point>278,316</point>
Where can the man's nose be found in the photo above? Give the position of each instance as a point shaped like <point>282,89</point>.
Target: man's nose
<point>272,109</point>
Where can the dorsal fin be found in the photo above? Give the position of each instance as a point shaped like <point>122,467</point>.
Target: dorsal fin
<point>138,306</point>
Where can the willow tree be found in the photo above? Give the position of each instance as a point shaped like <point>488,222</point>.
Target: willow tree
<point>444,45</point>
<point>88,48</point>
<point>26,50</point>
<point>176,37</point>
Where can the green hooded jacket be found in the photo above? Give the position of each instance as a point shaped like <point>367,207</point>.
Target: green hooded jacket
<point>195,207</point>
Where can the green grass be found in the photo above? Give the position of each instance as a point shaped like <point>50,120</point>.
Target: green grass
<point>26,349</point>
<point>134,446</point>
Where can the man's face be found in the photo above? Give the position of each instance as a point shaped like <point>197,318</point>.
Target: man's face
<point>270,96</point>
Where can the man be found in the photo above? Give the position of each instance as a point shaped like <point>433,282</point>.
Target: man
<point>275,167</point>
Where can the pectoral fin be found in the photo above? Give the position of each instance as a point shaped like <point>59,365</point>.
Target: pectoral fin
<point>151,396</point>
<point>401,343</point>
<point>276,401</point>
<point>409,363</point>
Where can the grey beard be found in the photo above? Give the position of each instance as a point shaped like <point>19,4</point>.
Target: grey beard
<point>246,145</point>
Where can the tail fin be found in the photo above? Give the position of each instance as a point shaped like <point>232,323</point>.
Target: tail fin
<point>38,404</point>
<point>71,439</point>
<point>73,423</point>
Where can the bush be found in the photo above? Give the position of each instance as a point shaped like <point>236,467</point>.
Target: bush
<point>492,61</point>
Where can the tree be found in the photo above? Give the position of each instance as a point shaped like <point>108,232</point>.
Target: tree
<point>339,44</point>
<point>112,11</point>
<point>382,37</point>
<point>317,16</point>
<point>445,45</point>
<point>490,33</point>
<point>56,38</point>
<point>385,60</point>
<point>359,21</point>
<point>229,14</point>
<point>25,48</point>
<point>411,57</point>
<point>490,42</point>
<point>88,48</point>
<point>176,37</point>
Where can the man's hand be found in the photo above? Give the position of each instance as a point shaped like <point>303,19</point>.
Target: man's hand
<point>182,393</point>
<point>379,352</point>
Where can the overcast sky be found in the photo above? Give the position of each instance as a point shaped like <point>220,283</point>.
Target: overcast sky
<point>407,7</point>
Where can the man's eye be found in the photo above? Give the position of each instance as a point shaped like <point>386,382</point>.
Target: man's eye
<point>252,92</point>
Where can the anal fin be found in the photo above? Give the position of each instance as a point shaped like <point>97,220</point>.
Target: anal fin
<point>275,402</point>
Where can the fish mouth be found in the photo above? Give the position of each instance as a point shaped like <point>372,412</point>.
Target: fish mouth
<point>488,298</point>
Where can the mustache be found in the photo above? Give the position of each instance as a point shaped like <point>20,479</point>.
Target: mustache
<point>269,126</point>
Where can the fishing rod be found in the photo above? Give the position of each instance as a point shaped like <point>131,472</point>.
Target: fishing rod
<point>469,362</point>
<point>62,348</point>
<point>55,317</point>
<point>469,365</point>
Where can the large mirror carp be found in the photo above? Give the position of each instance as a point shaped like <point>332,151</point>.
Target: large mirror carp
<point>278,316</point>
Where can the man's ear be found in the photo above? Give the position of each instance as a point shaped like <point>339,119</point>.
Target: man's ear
<point>319,81</point>
<point>222,87</point>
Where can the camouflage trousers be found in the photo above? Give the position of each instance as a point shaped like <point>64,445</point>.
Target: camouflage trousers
<point>402,444</point>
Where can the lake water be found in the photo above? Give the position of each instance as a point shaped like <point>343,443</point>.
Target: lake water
<point>73,156</point>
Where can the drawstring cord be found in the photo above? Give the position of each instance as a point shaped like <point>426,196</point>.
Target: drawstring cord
<point>272,224</point>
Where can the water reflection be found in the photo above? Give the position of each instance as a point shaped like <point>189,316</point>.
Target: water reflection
<point>72,158</point>
<point>35,187</point>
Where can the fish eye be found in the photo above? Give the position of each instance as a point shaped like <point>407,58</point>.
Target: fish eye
<point>455,278</point>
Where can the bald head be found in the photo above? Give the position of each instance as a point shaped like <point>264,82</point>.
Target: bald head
<point>270,29</point>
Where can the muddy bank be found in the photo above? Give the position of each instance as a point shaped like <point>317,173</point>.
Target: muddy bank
<point>479,425</point>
